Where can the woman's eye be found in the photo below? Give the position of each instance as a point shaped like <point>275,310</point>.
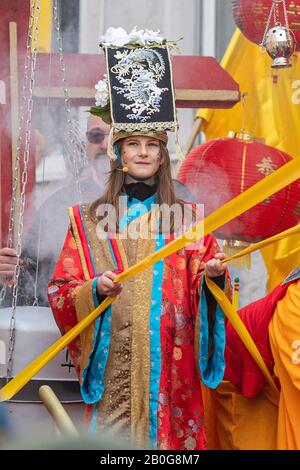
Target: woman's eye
<point>132,143</point>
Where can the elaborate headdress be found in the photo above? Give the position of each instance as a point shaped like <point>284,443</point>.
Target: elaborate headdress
<point>136,95</point>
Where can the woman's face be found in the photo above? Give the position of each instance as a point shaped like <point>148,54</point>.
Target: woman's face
<point>141,155</point>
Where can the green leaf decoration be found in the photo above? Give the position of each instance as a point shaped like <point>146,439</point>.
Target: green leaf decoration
<point>103,113</point>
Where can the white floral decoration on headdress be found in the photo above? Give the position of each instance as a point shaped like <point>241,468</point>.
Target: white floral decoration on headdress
<point>147,37</point>
<point>114,37</point>
<point>118,37</point>
<point>102,92</point>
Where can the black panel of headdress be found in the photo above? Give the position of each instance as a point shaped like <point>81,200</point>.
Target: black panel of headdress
<point>140,85</point>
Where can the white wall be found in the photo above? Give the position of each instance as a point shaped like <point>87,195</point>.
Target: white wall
<point>175,19</point>
<point>208,30</point>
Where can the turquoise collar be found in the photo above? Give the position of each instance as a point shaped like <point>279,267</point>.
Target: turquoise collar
<point>293,276</point>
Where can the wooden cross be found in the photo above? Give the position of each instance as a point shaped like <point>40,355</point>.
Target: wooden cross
<point>199,82</point>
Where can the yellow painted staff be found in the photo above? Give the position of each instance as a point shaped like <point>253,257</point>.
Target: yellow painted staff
<point>262,244</point>
<point>235,293</point>
<point>237,206</point>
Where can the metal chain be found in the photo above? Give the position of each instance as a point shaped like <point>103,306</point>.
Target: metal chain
<point>243,97</point>
<point>286,18</point>
<point>277,3</point>
<point>16,169</point>
<point>276,12</point>
<point>2,293</point>
<point>30,79</point>
<point>77,152</point>
<point>268,24</point>
<point>39,214</point>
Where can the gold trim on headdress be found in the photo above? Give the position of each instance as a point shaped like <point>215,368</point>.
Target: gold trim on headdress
<point>162,136</point>
<point>114,137</point>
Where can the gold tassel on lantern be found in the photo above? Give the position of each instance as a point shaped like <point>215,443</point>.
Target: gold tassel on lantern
<point>235,295</point>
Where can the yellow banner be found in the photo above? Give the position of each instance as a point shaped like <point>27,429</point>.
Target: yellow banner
<point>240,328</point>
<point>44,25</point>
<point>291,232</point>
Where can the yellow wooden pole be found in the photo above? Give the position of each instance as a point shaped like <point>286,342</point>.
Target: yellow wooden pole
<point>194,133</point>
<point>235,296</point>
<point>59,415</point>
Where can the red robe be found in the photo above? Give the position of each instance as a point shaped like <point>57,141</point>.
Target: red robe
<point>241,370</point>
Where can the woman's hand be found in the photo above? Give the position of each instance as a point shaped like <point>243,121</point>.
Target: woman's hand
<point>214,267</point>
<point>106,286</point>
<point>8,261</point>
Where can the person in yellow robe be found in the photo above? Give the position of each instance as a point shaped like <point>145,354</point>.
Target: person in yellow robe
<point>243,413</point>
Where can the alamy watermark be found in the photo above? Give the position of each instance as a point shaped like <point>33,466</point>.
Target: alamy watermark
<point>296,353</point>
<point>296,94</point>
<point>137,222</point>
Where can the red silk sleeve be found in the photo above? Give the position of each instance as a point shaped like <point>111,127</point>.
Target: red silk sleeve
<point>67,278</point>
<point>241,370</point>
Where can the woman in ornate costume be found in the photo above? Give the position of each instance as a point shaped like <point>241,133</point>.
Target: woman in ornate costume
<point>142,362</point>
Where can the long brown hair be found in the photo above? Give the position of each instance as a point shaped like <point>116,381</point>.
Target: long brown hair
<point>116,180</point>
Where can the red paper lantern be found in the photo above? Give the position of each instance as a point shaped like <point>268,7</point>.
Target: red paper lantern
<point>221,169</point>
<point>251,17</point>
